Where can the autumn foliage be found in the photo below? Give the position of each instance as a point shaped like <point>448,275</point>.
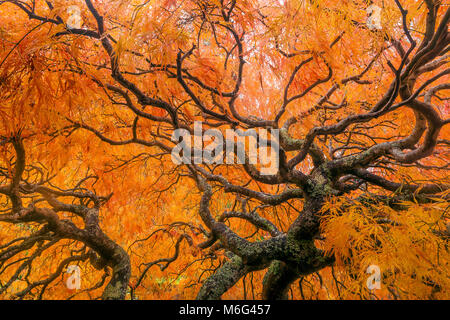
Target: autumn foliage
<point>89,100</point>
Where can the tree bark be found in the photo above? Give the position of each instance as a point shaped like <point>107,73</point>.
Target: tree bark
<point>277,281</point>
<point>117,287</point>
<point>223,279</point>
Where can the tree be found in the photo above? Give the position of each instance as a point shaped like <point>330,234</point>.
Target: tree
<point>28,185</point>
<point>361,160</point>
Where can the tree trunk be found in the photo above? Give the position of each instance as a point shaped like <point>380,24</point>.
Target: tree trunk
<point>277,281</point>
<point>117,287</point>
<point>223,279</point>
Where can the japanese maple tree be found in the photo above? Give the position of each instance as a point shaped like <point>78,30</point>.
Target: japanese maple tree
<point>93,94</point>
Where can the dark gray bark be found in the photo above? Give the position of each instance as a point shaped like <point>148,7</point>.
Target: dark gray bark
<point>117,287</point>
<point>223,279</point>
<point>277,281</point>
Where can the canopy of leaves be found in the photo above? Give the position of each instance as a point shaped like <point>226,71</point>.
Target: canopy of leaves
<point>87,114</point>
